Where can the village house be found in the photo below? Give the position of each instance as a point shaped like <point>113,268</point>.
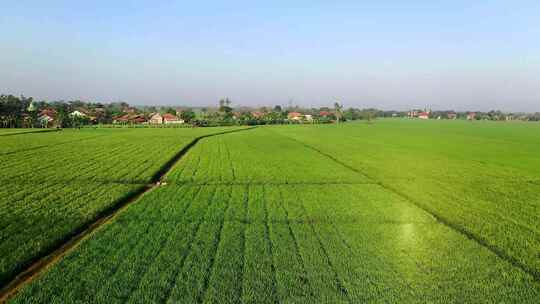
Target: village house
<point>471,116</point>
<point>294,116</point>
<point>45,121</point>
<point>325,113</point>
<point>121,119</point>
<point>257,114</point>
<point>156,119</point>
<point>171,119</point>
<point>48,112</point>
<point>46,117</point>
<point>308,117</point>
<point>138,119</point>
<point>423,115</point>
<point>130,118</point>
<point>452,115</point>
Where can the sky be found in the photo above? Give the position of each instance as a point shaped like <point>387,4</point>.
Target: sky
<point>460,55</point>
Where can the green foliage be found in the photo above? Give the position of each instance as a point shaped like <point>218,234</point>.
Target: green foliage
<point>170,110</point>
<point>53,183</point>
<point>284,243</point>
<point>479,177</point>
<point>187,115</point>
<point>237,158</point>
<point>318,214</point>
<point>14,111</point>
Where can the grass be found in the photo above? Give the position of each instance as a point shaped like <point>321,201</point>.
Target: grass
<point>258,156</point>
<point>207,244</point>
<point>54,183</point>
<point>482,178</point>
<point>338,214</point>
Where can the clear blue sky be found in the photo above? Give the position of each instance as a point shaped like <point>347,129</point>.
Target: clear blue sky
<point>389,54</point>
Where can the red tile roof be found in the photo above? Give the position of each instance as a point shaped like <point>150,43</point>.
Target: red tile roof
<point>325,113</point>
<point>48,112</point>
<point>169,116</point>
<point>122,118</point>
<point>294,114</point>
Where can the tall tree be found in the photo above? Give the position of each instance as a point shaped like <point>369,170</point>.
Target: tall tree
<point>170,111</point>
<point>187,115</point>
<point>338,110</point>
<point>225,110</point>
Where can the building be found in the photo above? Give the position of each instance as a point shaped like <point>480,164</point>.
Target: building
<point>308,117</point>
<point>423,115</point>
<point>45,121</point>
<point>325,113</point>
<point>121,119</point>
<point>471,116</point>
<point>452,115</point>
<point>130,118</point>
<point>294,116</point>
<point>156,119</point>
<point>48,112</point>
<point>257,114</point>
<point>171,119</point>
<point>77,113</point>
<point>46,117</point>
<point>138,119</point>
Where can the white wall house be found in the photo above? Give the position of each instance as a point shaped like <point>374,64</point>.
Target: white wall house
<point>156,119</point>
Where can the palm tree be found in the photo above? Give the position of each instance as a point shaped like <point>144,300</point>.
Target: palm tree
<point>338,109</point>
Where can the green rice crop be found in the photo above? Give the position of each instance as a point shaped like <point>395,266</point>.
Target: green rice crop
<point>53,183</point>
<point>257,156</point>
<point>229,244</point>
<point>306,215</point>
<point>481,178</point>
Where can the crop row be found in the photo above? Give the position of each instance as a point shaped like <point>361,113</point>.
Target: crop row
<point>56,182</point>
<point>258,156</point>
<point>298,224</point>
<point>479,178</point>
<point>251,244</point>
<point>117,155</point>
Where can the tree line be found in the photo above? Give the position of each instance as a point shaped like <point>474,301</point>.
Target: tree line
<point>24,112</point>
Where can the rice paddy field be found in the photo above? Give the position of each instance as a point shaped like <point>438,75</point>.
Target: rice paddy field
<point>396,211</point>
<point>55,183</point>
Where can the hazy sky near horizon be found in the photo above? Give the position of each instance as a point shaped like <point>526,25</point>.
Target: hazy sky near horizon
<point>460,54</point>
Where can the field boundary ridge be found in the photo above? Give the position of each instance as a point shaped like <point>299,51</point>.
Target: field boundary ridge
<point>31,132</point>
